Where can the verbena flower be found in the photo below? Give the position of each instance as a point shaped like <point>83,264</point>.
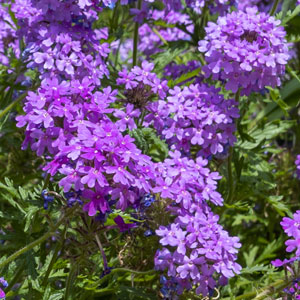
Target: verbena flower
<point>200,249</point>
<point>195,116</point>
<point>246,50</point>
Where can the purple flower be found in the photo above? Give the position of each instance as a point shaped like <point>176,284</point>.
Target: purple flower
<point>126,118</point>
<point>97,200</point>
<point>122,225</point>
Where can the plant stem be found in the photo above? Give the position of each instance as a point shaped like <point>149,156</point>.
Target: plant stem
<point>230,177</point>
<point>269,290</point>
<point>118,270</point>
<point>102,252</point>
<point>123,270</point>
<point>46,181</point>
<point>274,7</point>
<point>53,259</point>
<point>10,106</point>
<point>39,240</point>
<point>70,279</point>
<point>160,36</point>
<point>136,38</point>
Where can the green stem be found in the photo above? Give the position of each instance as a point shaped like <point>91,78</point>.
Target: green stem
<point>118,270</point>
<point>123,270</point>
<point>9,107</point>
<point>136,38</point>
<point>47,180</point>
<point>53,259</point>
<point>202,60</point>
<point>39,240</point>
<point>142,118</point>
<point>230,177</point>
<point>274,7</point>
<point>102,252</point>
<point>70,280</point>
<point>160,36</point>
<point>117,53</point>
<point>269,290</point>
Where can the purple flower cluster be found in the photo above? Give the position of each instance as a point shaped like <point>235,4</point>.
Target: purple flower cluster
<point>200,249</point>
<point>195,116</point>
<point>141,84</point>
<point>187,182</point>
<point>70,122</point>
<point>291,227</point>
<point>245,50</point>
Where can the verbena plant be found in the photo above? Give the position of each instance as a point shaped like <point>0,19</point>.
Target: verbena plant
<point>148,149</point>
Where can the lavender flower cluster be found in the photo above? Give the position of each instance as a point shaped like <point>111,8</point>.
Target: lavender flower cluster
<point>196,115</point>
<point>246,50</point>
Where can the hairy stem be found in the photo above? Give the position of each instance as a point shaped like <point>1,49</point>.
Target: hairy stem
<point>10,106</point>
<point>102,252</point>
<point>136,38</point>
<point>230,177</point>
<point>274,7</point>
<point>266,291</point>
<point>54,257</point>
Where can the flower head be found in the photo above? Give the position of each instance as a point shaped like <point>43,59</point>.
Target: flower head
<point>246,50</point>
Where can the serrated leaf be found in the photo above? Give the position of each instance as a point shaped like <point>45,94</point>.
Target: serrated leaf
<point>47,292</point>
<point>56,296</point>
<point>29,215</point>
<point>290,15</point>
<point>278,204</point>
<point>184,77</point>
<point>250,256</point>
<point>269,131</point>
<point>254,269</point>
<point>269,251</point>
<point>167,56</point>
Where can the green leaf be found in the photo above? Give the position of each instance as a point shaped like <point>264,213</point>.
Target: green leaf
<point>250,257</point>
<point>184,77</point>
<point>168,55</point>
<point>254,269</point>
<point>47,292</point>
<point>290,15</point>
<point>56,296</point>
<point>269,251</point>
<point>267,132</point>
<point>31,212</point>
<point>277,203</point>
